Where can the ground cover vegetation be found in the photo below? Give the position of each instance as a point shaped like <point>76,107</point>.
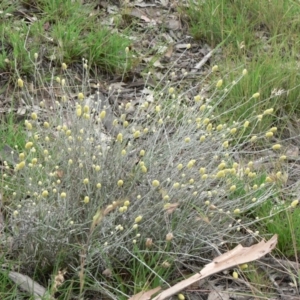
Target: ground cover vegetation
<point>104,196</point>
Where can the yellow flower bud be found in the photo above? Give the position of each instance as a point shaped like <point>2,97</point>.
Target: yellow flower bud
<point>276,147</point>
<point>268,111</point>
<point>20,83</point>
<point>222,165</point>
<point>215,68</point>
<point>86,109</point>
<point>136,134</point>
<point>180,297</point>
<point>233,130</point>
<point>202,138</point>
<point>294,203</point>
<point>155,183</point>
<point>176,185</point>
<point>253,138</point>
<point>219,83</point>
<point>33,116</point>
<point>235,275</point>
<point>197,98</point>
<point>243,266</point>
<point>273,129</point>
<point>202,107</point>
<point>20,165</point>
<point>28,125</point>
<point>246,124</point>
<point>171,90</point>
<point>233,188</point>
<point>64,66</point>
<point>256,95</point>
<point>225,144</point>
<point>269,134</point>
<point>21,156</point>
<point>102,115</point>
<point>120,183</point>
<point>138,219</point>
<point>80,96</point>
<point>220,174</point>
<point>78,111</point>
<point>206,121</point>
<point>191,163</point>
<point>120,137</point>
<point>144,169</point>
<point>45,193</point>
<point>86,200</point>
<point>220,127</point>
<point>28,145</point>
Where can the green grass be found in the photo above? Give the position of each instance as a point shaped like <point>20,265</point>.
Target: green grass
<point>285,222</point>
<point>261,35</point>
<point>12,133</point>
<point>64,31</point>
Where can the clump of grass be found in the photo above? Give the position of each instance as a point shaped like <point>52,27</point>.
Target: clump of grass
<point>282,219</point>
<point>247,33</point>
<point>68,31</point>
<point>126,190</point>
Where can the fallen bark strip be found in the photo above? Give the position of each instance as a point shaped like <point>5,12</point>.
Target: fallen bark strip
<point>237,256</point>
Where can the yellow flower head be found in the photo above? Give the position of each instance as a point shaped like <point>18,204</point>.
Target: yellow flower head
<point>20,165</point>
<point>20,83</point>
<point>155,183</point>
<point>33,116</point>
<point>215,68</point>
<point>28,145</point>
<point>138,219</point>
<point>191,163</point>
<point>276,147</point>
<point>80,96</point>
<point>219,83</point>
<point>102,115</point>
<point>294,203</point>
<point>136,134</point>
<point>120,137</point>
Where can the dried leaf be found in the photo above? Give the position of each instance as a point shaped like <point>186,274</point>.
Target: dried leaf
<point>27,284</point>
<point>239,255</point>
<point>145,295</point>
<point>170,209</point>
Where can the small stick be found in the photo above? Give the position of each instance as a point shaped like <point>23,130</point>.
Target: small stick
<point>203,61</point>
